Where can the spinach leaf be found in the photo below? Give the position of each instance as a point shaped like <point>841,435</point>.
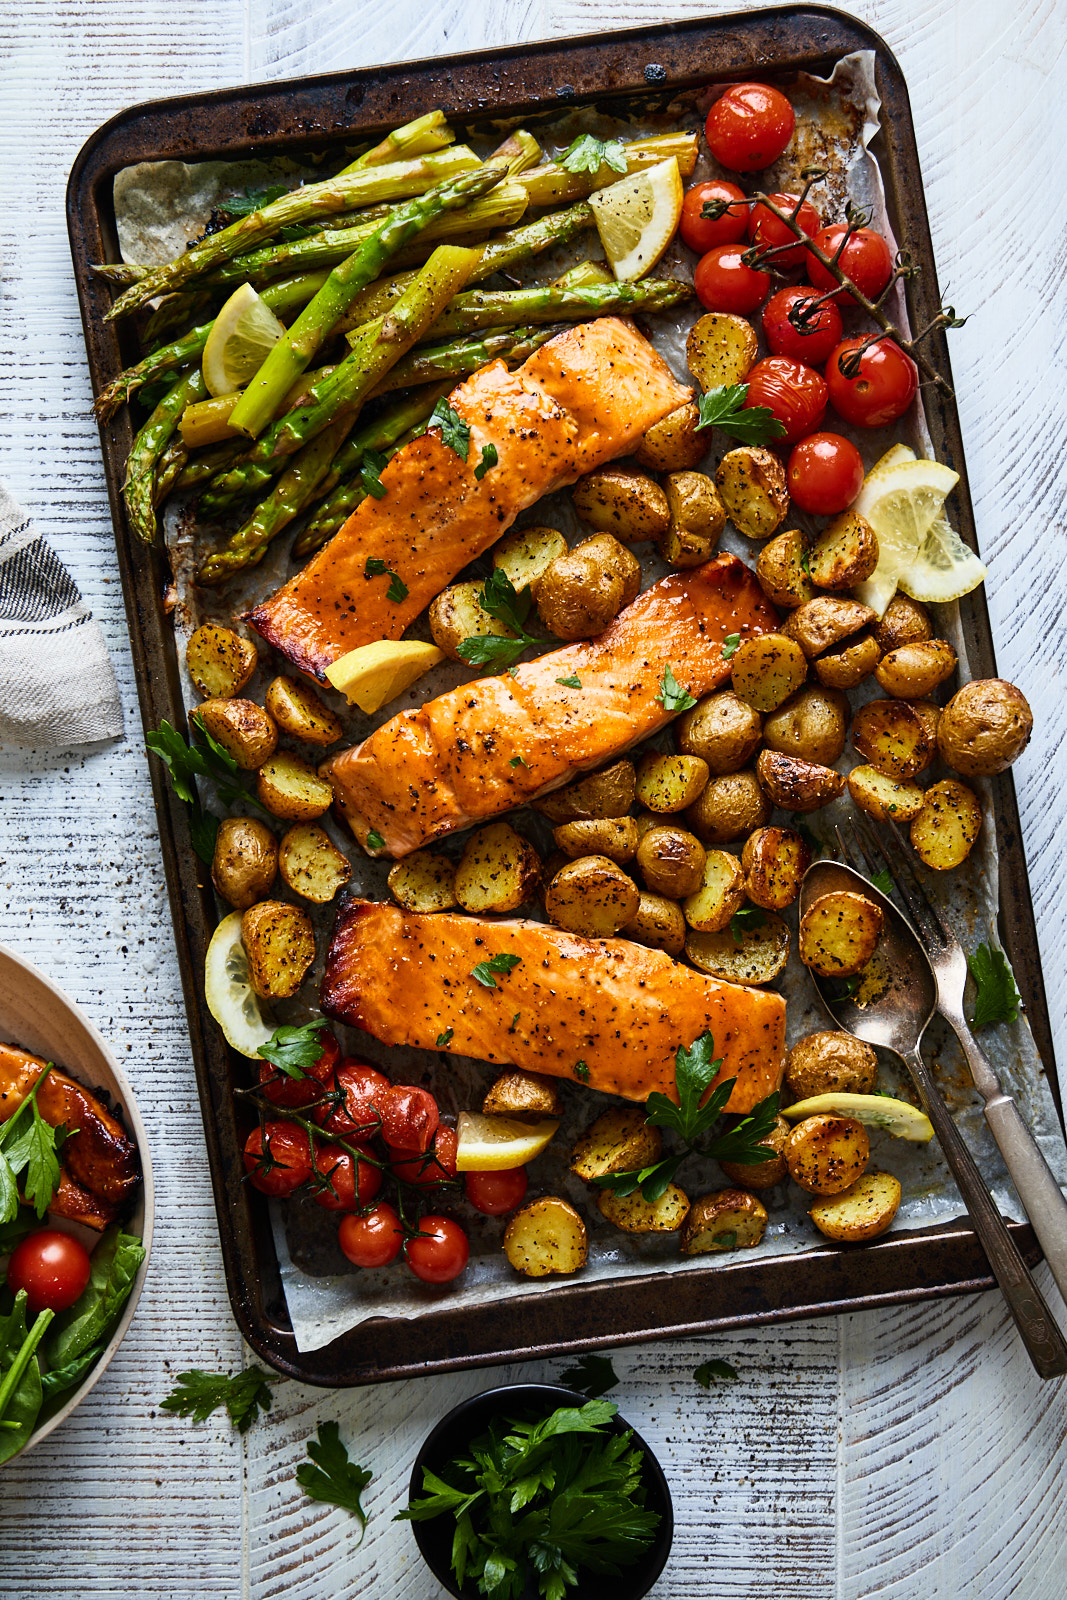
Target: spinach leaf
<point>114,1266</point>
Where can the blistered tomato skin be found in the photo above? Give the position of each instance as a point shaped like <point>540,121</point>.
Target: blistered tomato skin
<point>825,474</point>
<point>373,1240</point>
<point>795,393</point>
<point>52,1267</point>
<point>496,1193</point>
<point>440,1252</point>
<point>749,127</point>
<point>770,232</point>
<point>363,1087</point>
<point>433,1166</point>
<point>409,1117</point>
<point>278,1158</point>
<point>701,233</point>
<point>724,283</point>
<point>882,389</point>
<point>865,261</point>
<point>824,329</point>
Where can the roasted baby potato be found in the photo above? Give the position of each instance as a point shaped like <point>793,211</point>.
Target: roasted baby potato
<point>781,573</point>
<point>423,881</point>
<point>943,833</point>
<point>634,1214</point>
<point>850,664</point>
<point>620,501</point>
<point>582,591</point>
<point>546,1236</point>
<point>759,958</point>
<point>721,349</point>
<point>883,797</point>
<point>984,728</point>
<point>620,1140</point>
<point>671,860</point>
<point>730,807</point>
<point>722,892</point>
<point>829,1062</point>
<point>523,1095</point>
<point>903,622</point>
<point>763,1174</point>
<point>930,713</point>
<point>767,670</point>
<point>752,483</point>
<point>457,614</point>
<point>826,1154</point>
<point>280,944</point>
<point>299,712</point>
<point>731,1219</point>
<point>498,871</point>
<point>614,837</point>
<point>795,785</point>
<point>220,662</point>
<point>243,729</point>
<point>838,933</point>
<point>722,730</point>
<point>659,924</point>
<point>674,444</point>
<point>525,556</point>
<point>812,725</point>
<point>773,861</point>
<point>290,788</point>
<point>913,671</point>
<point>667,784</point>
<point>862,1211</point>
<point>826,621</point>
<point>845,553</point>
<point>698,517</point>
<point>893,737</point>
<point>593,897</point>
<point>311,864</point>
<point>602,794</point>
<point>245,862</point>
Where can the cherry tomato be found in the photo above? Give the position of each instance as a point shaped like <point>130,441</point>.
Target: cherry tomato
<point>279,1160</point>
<point>344,1188</point>
<point>881,391</point>
<point>373,1240</point>
<point>865,260</point>
<point>724,283</point>
<point>811,347</point>
<point>825,473</point>
<point>749,127</point>
<point>362,1087</point>
<point>52,1267</point>
<point>409,1117</point>
<point>769,231</point>
<point>440,1252</point>
<point>296,1092</point>
<point>700,232</point>
<point>496,1192</point>
<point>795,393</point>
<point>436,1165</point>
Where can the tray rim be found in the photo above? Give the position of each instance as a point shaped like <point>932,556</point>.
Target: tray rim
<point>940,1261</point>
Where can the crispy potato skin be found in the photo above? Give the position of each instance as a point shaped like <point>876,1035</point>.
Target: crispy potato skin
<point>943,833</point>
<point>812,725</point>
<point>659,924</point>
<point>826,1154</point>
<point>845,553</point>
<point>903,622</point>
<point>768,670</point>
<point>602,794</point>
<point>243,729</point>
<point>825,1062</point>
<point>826,621</point>
<point>523,1095</point>
<point>773,861</point>
<point>592,896</point>
<point>864,1210</point>
<point>722,730</point>
<point>290,788</point>
<point>311,864</point>
<point>546,1236</point>
<point>424,881</point>
<point>730,807</point>
<point>893,737</point>
<point>698,517</point>
<point>666,784</point>
<point>671,860</point>
<point>753,487</point>
<point>620,1140</point>
<point>759,958</point>
<point>850,664</point>
<point>245,863</point>
<point>984,728</point>
<point>298,711</point>
<point>220,662</point>
<point>457,614</point>
<point>795,785</point>
<point>720,893</point>
<point>634,1214</point>
<point>838,933</point>
<point>779,568</point>
<point>280,944</point>
<point>763,1174</point>
<point>731,1219</point>
<point>582,591</point>
<point>720,349</point>
<point>929,713</point>
<point>883,797</point>
<point>616,500</point>
<point>614,837</point>
<point>498,871</point>
<point>526,555</point>
<point>673,444</point>
<point>913,671</point>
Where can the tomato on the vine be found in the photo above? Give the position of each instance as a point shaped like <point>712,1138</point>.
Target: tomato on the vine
<point>882,389</point>
<point>409,1117</point>
<point>496,1192</point>
<point>373,1240</point>
<point>825,474</point>
<point>700,232</point>
<point>769,231</point>
<point>52,1267</point>
<point>339,1186</point>
<point>749,126</point>
<point>278,1158</point>
<point>292,1093</point>
<point>822,331</point>
<point>440,1252</point>
<point>865,261</point>
<point>724,283</point>
<point>363,1087</point>
<point>796,394</point>
<point>433,1166</point>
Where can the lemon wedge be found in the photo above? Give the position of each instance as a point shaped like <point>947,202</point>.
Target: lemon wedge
<point>893,456</point>
<point>873,1110</point>
<point>237,346</point>
<point>944,569</point>
<point>495,1144</point>
<point>232,1001</point>
<point>376,673</point>
<point>901,502</point>
<point>636,218</point>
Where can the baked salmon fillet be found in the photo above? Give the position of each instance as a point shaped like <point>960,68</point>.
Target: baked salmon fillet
<point>604,1012</point>
<point>584,398</point>
<point>500,742</point>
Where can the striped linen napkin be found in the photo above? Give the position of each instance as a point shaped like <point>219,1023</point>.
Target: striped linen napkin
<point>57,684</point>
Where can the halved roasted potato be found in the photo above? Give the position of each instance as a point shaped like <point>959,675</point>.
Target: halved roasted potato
<point>675,443</point>
<point>812,725</point>
<point>782,573</point>
<point>311,864</point>
<point>670,859</point>
<point>593,897</point>
<point>838,933</point>
<point>620,1140</point>
<point>721,892</point>
<point>424,881</point>
<point>498,871</point>
<point>985,727</point>
<point>245,861</point>
<point>634,1214</point>
<point>457,614</point>
<point>893,737</point>
<point>753,487</point>
<point>773,861</point>
<point>721,349</point>
<point>298,711</point>
<point>280,944</point>
<point>290,787</point>
<point>795,785</point>
<point>220,662</point>
<point>243,729</point>
<point>943,833</point>
<point>666,784</point>
<point>698,517</point>
<point>827,1154</point>
<point>767,670</point>
<point>659,924</point>
<point>930,712</point>
<point>730,807</point>
<point>763,1174</point>
<point>883,797</point>
<point>525,555</point>
<point>759,957</point>
<point>849,664</point>
<point>602,794</point>
<point>913,671</point>
<point>825,622</point>
<point>546,1236</point>
<point>722,730</point>
<point>845,553</point>
<point>620,501</point>
<point>731,1219</point>
<point>829,1061</point>
<point>864,1210</point>
<point>904,621</point>
<point>582,591</point>
<point>614,837</point>
<point>523,1095</point>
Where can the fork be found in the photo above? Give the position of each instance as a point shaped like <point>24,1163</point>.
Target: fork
<point>1030,1172</point>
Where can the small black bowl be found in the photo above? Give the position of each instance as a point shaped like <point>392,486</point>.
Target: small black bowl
<point>456,1430</point>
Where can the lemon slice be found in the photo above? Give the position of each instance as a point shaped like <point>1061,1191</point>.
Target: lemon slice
<point>892,458</point>
<point>901,502</point>
<point>494,1144</point>
<point>237,346</point>
<point>873,1110</point>
<point>374,674</point>
<point>945,569</point>
<point>232,1001</point>
<point>636,218</point>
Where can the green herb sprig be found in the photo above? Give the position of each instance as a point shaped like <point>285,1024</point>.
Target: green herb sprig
<point>293,1050</point>
<point>671,695</point>
<point>592,1376</point>
<point>377,568</point>
<point>483,972</point>
<point>997,998</point>
<point>29,1146</point>
<point>330,1476</point>
<point>724,408</point>
<point>500,600</point>
<point>244,1394</point>
<point>588,154</point>
<point>708,1370</point>
<point>204,758</point>
<point>454,431</point>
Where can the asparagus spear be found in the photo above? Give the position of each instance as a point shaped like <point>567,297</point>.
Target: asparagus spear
<point>147,449</point>
<point>208,462</point>
<point>459,357</point>
<point>169,468</point>
<point>417,138</point>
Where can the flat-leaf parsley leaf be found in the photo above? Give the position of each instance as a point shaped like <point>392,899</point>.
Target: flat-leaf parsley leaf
<point>483,972</point>
<point>724,407</point>
<point>333,1478</point>
<point>671,695</point>
<point>454,431</point>
<point>293,1050</point>
<point>588,154</point>
<point>244,1394</point>
<point>713,1369</point>
<point>997,999</point>
<point>489,459</point>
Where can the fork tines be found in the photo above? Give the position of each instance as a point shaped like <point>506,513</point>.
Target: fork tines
<point>896,864</point>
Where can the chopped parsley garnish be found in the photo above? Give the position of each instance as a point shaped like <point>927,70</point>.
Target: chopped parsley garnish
<point>483,972</point>
<point>28,1146</point>
<point>370,474</point>
<point>571,682</point>
<point>671,695</point>
<point>592,1376</point>
<point>374,840</point>
<point>581,1070</point>
<point>454,431</point>
<point>489,459</point>
<point>293,1050</point>
<point>714,1369</point>
<point>330,1476</point>
<point>377,568</point>
<point>588,154</point>
<point>517,761</point>
<point>724,408</point>
<point>500,600</point>
<point>445,1039</point>
<point>741,921</point>
<point>730,645</point>
<point>883,881</point>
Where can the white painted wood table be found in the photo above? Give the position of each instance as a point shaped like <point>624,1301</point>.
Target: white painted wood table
<point>900,1454</point>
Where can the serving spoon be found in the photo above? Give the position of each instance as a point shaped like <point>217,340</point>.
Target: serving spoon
<point>892,1007</point>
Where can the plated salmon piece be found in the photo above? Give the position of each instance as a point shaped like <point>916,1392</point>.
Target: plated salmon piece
<point>603,1012</point>
<point>584,398</point>
<point>500,742</point>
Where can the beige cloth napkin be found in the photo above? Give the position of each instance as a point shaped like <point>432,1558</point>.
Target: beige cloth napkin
<point>57,684</point>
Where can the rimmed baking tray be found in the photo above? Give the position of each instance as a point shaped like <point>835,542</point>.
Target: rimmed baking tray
<point>287,118</point>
